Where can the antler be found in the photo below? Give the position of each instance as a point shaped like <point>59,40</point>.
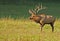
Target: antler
<point>38,8</point>
<point>32,11</point>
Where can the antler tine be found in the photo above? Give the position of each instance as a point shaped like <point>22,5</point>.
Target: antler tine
<point>32,11</point>
<point>42,7</point>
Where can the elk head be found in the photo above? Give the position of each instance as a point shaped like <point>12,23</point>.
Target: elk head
<point>33,14</point>
<point>35,11</point>
<point>34,17</point>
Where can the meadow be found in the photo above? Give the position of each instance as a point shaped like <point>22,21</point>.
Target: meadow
<point>26,30</point>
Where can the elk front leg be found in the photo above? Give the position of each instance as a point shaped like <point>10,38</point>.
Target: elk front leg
<point>52,27</point>
<point>42,27</point>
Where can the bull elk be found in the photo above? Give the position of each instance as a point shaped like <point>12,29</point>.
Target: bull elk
<point>42,19</point>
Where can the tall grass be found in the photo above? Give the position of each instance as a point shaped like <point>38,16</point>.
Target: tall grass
<point>26,30</point>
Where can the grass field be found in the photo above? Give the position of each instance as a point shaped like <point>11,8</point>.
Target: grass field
<point>26,30</point>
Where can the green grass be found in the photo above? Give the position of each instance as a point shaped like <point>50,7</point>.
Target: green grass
<point>26,30</point>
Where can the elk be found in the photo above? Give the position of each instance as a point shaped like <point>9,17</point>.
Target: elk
<point>42,19</point>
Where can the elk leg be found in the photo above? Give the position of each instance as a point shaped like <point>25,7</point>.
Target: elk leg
<point>52,27</point>
<point>42,27</point>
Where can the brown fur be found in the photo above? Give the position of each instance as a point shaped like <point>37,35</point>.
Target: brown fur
<point>42,19</point>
